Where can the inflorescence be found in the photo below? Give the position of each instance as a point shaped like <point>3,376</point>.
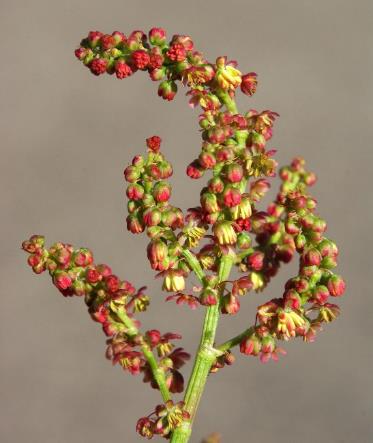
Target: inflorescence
<point>227,223</point>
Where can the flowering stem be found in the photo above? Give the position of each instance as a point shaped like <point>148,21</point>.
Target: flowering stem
<point>229,344</point>
<point>194,264</point>
<point>229,102</point>
<point>205,357</point>
<point>157,372</point>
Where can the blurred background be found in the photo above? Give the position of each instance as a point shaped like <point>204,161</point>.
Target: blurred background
<point>66,137</point>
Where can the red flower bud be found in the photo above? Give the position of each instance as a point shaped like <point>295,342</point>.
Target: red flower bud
<point>207,160</point>
<point>80,53</point>
<point>107,42</point>
<point>336,285</point>
<point>94,38</point>
<point>119,37</point>
<point>154,143</point>
<point>140,59</point>
<point>216,185</point>
<point>256,260</point>
<point>209,202</point>
<point>112,283</point>
<point>157,74</point>
<point>312,257</point>
<point>167,90</point>
<point>152,217</point>
<point>98,66</point>
<point>209,297</point>
<point>153,337</point>
<point>83,257</point>
<point>134,225</point>
<point>157,252</point>
<point>185,40</point>
<point>320,294</point>
<point>230,304</point>
<point>225,154</point>
<point>162,192</point>
<point>157,36</point>
<point>176,53</point>
<point>122,70</point>
<point>231,197</point>
<point>104,270</point>
<point>92,275</point>
<point>249,83</point>
<point>250,345</point>
<point>62,280</point>
<point>132,174</point>
<point>194,170</point>
<point>234,172</point>
<point>135,192</point>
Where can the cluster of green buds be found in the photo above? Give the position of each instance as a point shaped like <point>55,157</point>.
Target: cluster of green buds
<point>227,229</point>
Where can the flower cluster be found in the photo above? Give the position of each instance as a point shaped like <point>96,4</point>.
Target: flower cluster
<point>305,303</point>
<point>227,229</point>
<point>165,419</point>
<point>111,302</point>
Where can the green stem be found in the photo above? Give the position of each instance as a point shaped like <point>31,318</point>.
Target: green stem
<point>158,373</point>
<point>194,264</point>
<point>205,358</point>
<point>228,101</point>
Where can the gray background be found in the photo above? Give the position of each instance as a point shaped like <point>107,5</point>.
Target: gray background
<point>65,138</point>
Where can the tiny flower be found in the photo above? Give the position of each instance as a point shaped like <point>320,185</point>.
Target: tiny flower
<point>98,66</point>
<point>145,427</point>
<point>231,196</point>
<point>256,260</point>
<point>122,70</point>
<point>251,345</point>
<point>62,280</point>
<point>134,224</point>
<point>154,143</point>
<point>158,255</point>
<point>225,233</point>
<point>176,52</point>
<point>194,170</point>
<point>167,90</point>
<point>209,297</point>
<point>234,172</point>
<point>209,202</point>
<point>135,191</point>
<point>107,41</point>
<point>152,217</point>
<point>174,281</point>
<point>336,285</point>
<point>119,37</point>
<point>153,337</point>
<point>227,77</point>
<point>162,192</point>
<point>140,59</point>
<point>320,294</point>
<point>249,83</point>
<point>94,38</point>
<point>157,36</point>
<point>230,304</point>
<point>328,312</point>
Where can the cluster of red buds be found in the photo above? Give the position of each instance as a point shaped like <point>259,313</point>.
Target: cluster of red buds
<point>227,229</point>
<point>165,419</point>
<point>112,303</point>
